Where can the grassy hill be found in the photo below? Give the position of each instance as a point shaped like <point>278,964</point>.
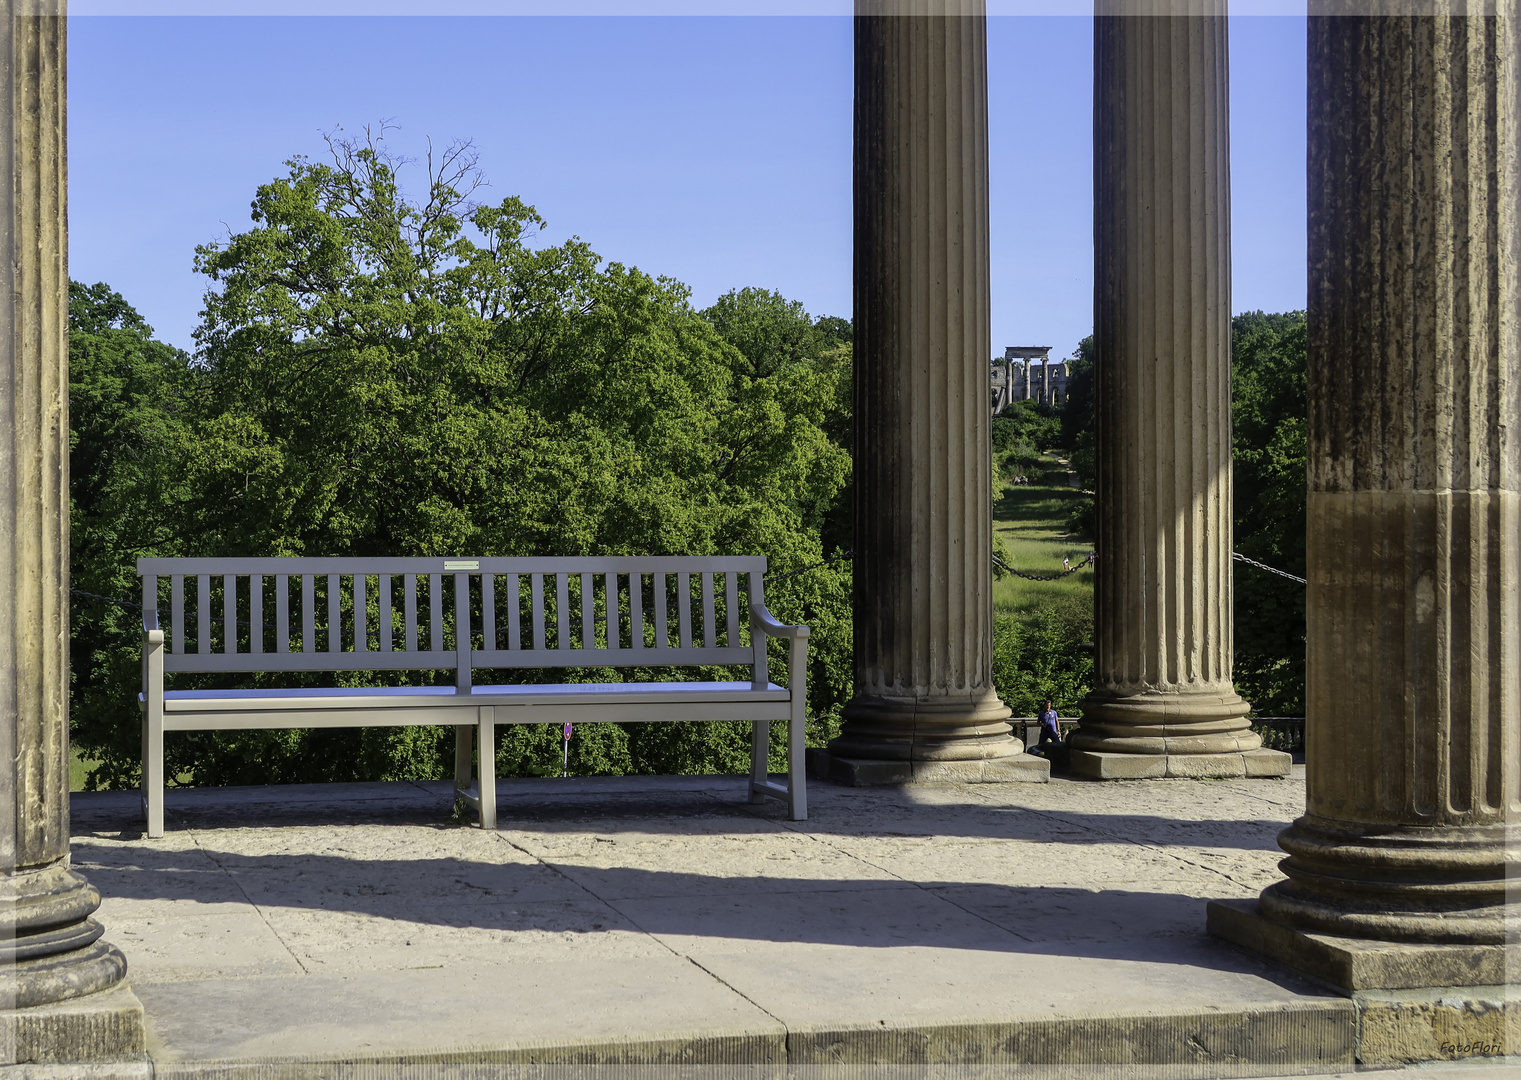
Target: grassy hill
<point>1031,521</point>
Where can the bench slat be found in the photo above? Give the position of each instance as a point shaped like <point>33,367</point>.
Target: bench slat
<point>709,635</point>
<point>731,607</point>
<point>577,564</point>
<point>636,610</point>
<point>684,609</point>
<point>308,613</point>
<point>562,611</point>
<point>462,638</point>
<point>385,630</point>
<point>203,613</point>
<point>436,611</point>
<point>361,613</point>
<point>177,610</point>
<point>229,613</point>
<point>514,613</point>
<point>588,612</point>
<point>409,599</point>
<point>320,661</point>
<point>536,586</point>
<point>334,613</point>
<point>488,610</point>
<point>256,614</point>
<point>621,657</point>
<point>662,624</point>
<point>613,619</point>
<point>321,717</point>
<point>282,614</point>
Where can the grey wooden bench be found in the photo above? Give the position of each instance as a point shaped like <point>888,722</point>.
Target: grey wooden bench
<point>286,615</point>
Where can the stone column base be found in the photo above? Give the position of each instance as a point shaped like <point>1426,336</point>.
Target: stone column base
<point>103,1027</point>
<point>862,772</point>
<point>1356,964</point>
<point>1414,1002</point>
<point>1245,763</point>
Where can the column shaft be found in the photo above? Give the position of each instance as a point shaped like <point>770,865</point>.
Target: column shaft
<point>1162,372</point>
<point>1413,733</point>
<point>923,511</point>
<point>49,947</point>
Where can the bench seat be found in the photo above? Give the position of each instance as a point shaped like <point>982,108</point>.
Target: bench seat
<point>346,615</point>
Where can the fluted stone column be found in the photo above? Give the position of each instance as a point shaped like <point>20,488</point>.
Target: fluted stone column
<point>1164,703</point>
<point>1413,732</point>
<point>924,705</point>
<point>50,949</point>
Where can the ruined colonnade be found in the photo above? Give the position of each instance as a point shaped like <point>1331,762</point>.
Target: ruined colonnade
<point>1414,604</point>
<point>1414,726</point>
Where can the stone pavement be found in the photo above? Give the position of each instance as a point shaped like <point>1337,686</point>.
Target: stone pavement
<point>662,921</point>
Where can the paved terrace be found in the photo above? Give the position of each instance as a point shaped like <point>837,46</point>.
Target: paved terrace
<point>662,920</point>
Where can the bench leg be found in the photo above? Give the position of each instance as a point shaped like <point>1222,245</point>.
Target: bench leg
<point>153,772</point>
<point>760,754</point>
<point>797,771</point>
<point>464,756</point>
<point>797,732</point>
<point>486,770</point>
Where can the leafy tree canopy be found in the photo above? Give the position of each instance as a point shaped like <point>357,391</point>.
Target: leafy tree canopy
<point>1269,413</point>
<point>383,375</point>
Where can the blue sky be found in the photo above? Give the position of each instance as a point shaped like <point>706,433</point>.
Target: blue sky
<point>713,150</point>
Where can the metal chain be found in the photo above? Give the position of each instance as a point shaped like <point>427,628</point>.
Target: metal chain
<point>1040,577</point>
<point>1270,569</point>
<point>809,569</point>
<point>107,599</point>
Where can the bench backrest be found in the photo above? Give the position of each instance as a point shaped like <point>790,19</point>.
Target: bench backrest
<point>342,614</point>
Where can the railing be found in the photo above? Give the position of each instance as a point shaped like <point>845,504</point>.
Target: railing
<point>1281,732</point>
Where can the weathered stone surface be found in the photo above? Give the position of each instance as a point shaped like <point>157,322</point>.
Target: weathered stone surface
<point>1453,1024</point>
<point>1162,341</point>
<point>97,1028</point>
<point>49,947</point>
<point>1217,1044</point>
<point>1260,764</point>
<point>1022,768</point>
<point>664,919</point>
<point>923,594</point>
<point>1359,963</point>
<point>1103,766</point>
<point>1263,763</point>
<point>1413,682</point>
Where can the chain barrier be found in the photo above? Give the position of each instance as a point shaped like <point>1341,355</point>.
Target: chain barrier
<point>1084,565</point>
<point>809,569</point>
<point>1270,569</point>
<point>107,599</point>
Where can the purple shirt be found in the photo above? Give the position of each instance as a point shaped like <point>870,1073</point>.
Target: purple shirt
<point>1047,719</point>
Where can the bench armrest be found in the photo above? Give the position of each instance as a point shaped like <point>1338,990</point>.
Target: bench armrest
<point>767,624</point>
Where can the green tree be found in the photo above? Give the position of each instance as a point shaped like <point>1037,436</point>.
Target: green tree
<point>378,375</point>
<point>129,396</point>
<point>1078,414</point>
<point>1037,656</point>
<point>1269,413</point>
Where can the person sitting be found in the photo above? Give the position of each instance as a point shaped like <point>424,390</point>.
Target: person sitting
<point>1050,730</point>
